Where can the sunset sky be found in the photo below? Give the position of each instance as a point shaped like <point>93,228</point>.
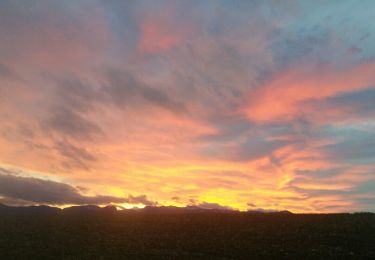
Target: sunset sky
<point>260,105</point>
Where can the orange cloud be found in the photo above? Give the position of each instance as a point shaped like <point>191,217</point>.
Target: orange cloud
<point>281,98</point>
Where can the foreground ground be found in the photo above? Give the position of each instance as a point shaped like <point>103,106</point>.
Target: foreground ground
<point>186,236</point>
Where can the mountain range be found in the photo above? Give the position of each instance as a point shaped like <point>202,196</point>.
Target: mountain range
<point>43,209</point>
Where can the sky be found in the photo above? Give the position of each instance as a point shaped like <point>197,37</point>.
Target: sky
<point>248,105</point>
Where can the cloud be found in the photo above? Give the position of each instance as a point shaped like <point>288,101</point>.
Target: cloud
<point>72,124</point>
<point>228,128</point>
<point>141,199</point>
<point>160,33</point>
<point>43,40</point>
<point>126,90</point>
<point>359,150</point>
<point>73,93</point>
<point>280,98</point>
<point>41,191</point>
<point>252,148</point>
<point>252,205</point>
<point>77,157</point>
<point>237,139</point>
<point>176,198</point>
<point>343,107</point>
<point>210,205</point>
<point>69,108</point>
<point>256,148</point>
<point>6,72</point>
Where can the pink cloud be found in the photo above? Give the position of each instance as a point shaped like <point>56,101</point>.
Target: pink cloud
<point>162,32</point>
<point>281,98</point>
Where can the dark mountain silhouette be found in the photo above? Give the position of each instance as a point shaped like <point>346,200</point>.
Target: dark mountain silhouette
<point>182,210</point>
<point>193,232</point>
<point>89,209</point>
<point>43,209</point>
<point>269,212</point>
<point>112,209</point>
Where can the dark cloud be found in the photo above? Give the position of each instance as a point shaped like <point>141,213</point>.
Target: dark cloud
<point>72,124</point>
<point>175,198</point>
<point>358,149</point>
<point>77,157</point>
<point>17,132</point>
<point>355,105</point>
<point>141,199</point>
<point>74,94</point>
<point>317,191</point>
<point>257,148</point>
<point>40,191</point>
<point>74,99</point>
<point>125,90</point>
<point>13,202</point>
<point>253,148</point>
<point>69,106</point>
<point>210,205</point>
<point>296,46</point>
<point>320,185</point>
<point>6,72</point>
<point>320,173</point>
<point>238,139</point>
<point>229,128</point>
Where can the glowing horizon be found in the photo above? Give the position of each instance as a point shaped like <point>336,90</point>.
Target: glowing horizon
<point>239,104</point>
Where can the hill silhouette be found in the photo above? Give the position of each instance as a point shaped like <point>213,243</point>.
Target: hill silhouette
<point>92,232</point>
<point>84,209</point>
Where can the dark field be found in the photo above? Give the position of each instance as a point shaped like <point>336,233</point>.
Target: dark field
<point>119,235</point>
